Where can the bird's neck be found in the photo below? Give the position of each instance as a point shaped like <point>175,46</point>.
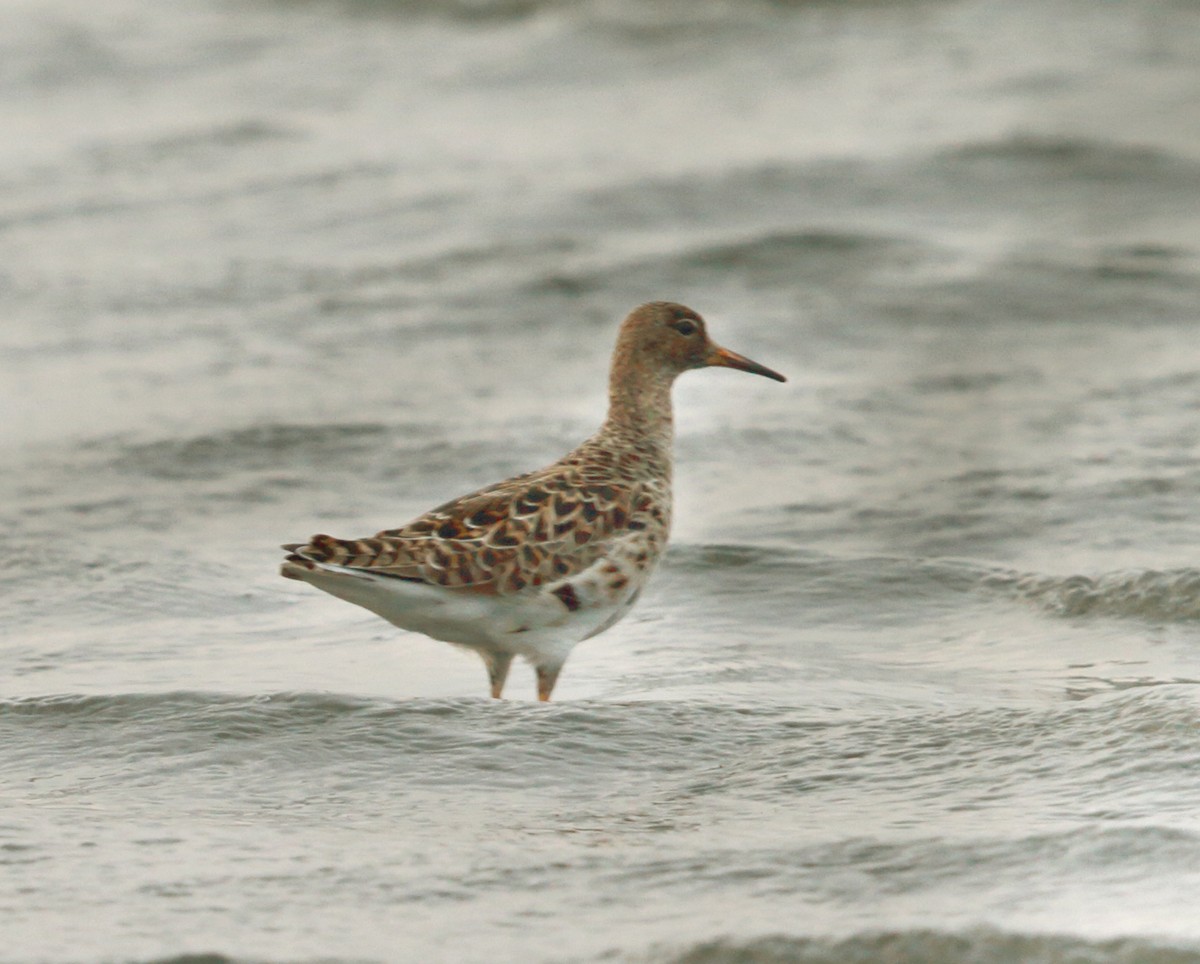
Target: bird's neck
<point>639,410</point>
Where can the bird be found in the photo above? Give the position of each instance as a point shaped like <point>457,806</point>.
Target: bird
<point>537,563</point>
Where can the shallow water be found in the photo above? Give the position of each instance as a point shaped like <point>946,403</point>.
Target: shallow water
<point>918,678</point>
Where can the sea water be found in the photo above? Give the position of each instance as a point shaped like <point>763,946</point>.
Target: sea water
<point>917,679</point>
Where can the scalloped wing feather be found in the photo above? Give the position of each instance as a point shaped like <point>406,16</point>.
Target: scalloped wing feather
<point>530,531</point>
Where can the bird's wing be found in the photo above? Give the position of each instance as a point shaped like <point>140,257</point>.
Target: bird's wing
<point>533,530</point>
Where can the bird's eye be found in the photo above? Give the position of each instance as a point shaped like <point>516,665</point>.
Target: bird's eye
<point>685,327</point>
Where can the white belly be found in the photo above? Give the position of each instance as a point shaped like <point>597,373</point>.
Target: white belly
<point>535,625</point>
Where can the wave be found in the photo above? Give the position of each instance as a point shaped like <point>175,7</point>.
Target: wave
<point>1076,158</point>
<point>918,946</point>
<point>647,18</point>
<point>791,254</point>
<point>848,225</point>
<point>186,720</point>
<point>765,259</point>
<point>1029,168</point>
<point>196,144</point>
<point>1170,595</point>
<point>1158,595</point>
<point>202,958</point>
<point>930,947</point>
<point>256,447</point>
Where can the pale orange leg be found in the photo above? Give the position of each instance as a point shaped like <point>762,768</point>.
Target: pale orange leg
<point>547,676</point>
<point>497,667</point>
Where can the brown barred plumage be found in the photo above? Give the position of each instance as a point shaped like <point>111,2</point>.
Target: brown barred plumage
<point>532,565</point>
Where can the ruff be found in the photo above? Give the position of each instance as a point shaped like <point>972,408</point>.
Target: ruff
<point>537,563</point>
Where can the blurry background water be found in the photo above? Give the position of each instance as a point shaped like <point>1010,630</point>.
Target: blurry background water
<point>917,680</point>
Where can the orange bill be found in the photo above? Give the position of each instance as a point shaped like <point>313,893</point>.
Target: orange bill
<point>725,358</point>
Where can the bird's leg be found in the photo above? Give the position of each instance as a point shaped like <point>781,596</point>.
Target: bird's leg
<point>497,667</point>
<point>547,676</point>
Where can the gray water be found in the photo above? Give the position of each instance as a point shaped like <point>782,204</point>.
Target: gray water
<point>918,678</point>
